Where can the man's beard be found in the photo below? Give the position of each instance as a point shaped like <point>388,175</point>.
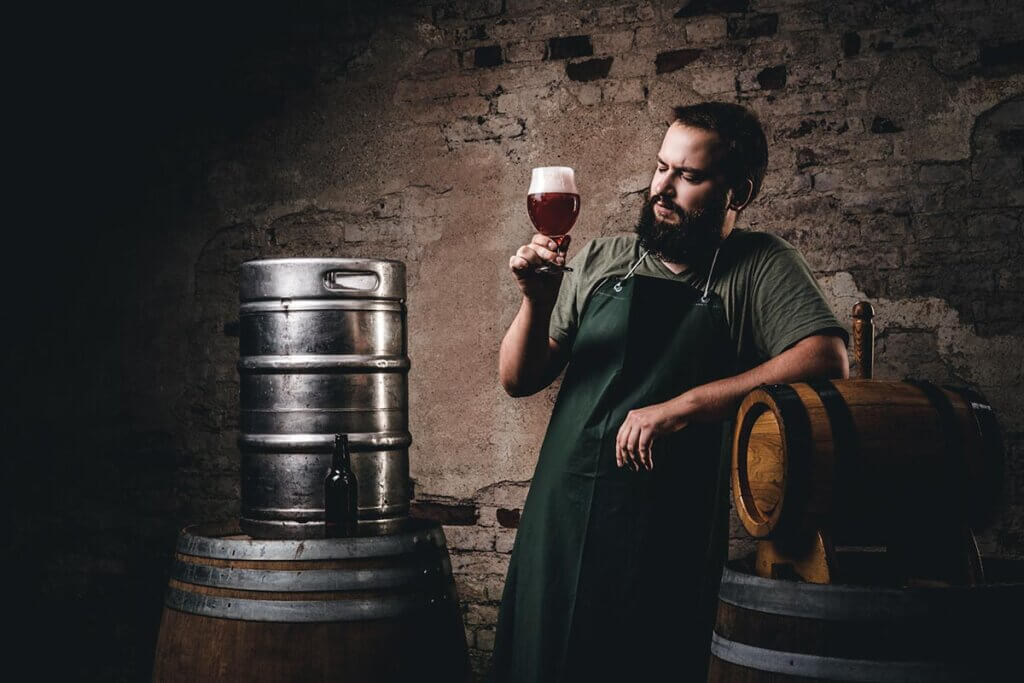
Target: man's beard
<point>696,234</point>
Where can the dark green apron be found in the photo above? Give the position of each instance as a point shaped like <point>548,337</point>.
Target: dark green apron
<point>614,572</point>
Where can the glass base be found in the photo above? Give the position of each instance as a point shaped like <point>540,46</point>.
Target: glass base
<point>553,268</point>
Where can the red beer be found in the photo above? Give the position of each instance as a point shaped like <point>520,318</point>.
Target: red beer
<point>553,213</point>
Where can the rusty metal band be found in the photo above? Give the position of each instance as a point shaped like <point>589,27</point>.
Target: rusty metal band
<point>304,580</point>
<point>819,667</point>
<point>956,469</point>
<point>204,541</point>
<point>845,440</point>
<point>985,498</point>
<point>245,609</point>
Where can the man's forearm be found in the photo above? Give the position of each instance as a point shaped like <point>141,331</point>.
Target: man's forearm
<point>525,357</point>
<point>815,356</point>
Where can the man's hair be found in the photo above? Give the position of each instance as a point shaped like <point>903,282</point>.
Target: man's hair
<point>741,132</point>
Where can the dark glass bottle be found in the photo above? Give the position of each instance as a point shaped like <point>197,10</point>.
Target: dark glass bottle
<point>341,502</point>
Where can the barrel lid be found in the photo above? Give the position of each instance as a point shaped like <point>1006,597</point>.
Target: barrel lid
<point>322,278</point>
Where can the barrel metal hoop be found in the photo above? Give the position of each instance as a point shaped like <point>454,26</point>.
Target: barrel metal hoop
<point>831,668</point>
<point>306,443</point>
<point>836,602</point>
<point>324,363</point>
<point>956,469</point>
<point>797,426</point>
<point>995,453</point>
<point>203,541</point>
<point>303,580</point>
<point>305,611</point>
<point>286,305</point>
<point>845,438</point>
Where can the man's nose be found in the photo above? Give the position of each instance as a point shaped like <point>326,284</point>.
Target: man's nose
<point>662,187</point>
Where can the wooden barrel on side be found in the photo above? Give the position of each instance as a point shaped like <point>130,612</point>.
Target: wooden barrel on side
<point>867,630</point>
<point>854,455</point>
<point>374,608</point>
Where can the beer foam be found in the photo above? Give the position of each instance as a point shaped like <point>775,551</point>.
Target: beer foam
<point>553,179</point>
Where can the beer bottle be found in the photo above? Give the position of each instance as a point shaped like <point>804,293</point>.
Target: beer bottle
<point>341,504</point>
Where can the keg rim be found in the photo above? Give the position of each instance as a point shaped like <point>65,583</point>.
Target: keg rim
<point>208,540</point>
<point>322,259</point>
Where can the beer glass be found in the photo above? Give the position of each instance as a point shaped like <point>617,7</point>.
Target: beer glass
<point>553,203</point>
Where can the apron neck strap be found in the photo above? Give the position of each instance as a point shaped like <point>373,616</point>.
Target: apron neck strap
<point>707,285</point>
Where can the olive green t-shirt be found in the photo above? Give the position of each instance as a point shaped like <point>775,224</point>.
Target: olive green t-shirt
<point>771,298</point>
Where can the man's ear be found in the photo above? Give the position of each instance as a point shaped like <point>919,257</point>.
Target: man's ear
<point>740,196</point>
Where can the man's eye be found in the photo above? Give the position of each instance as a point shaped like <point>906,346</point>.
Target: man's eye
<point>662,168</point>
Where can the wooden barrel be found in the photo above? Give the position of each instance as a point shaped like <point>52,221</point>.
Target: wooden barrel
<point>376,608</point>
<point>772,630</point>
<point>854,456</point>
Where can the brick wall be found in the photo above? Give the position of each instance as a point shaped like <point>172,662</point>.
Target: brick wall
<point>896,135</point>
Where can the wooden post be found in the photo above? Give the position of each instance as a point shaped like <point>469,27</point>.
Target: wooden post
<point>864,339</point>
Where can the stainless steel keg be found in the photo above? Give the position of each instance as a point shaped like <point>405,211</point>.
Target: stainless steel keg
<point>322,352</point>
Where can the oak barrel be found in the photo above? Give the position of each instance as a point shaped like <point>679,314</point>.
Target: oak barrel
<point>855,455</point>
<point>374,609</point>
<point>323,351</point>
<point>867,629</point>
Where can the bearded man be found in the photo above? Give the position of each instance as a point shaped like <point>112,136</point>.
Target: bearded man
<point>620,546</point>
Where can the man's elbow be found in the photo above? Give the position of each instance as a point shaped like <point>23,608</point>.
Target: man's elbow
<point>834,358</point>
<point>515,387</point>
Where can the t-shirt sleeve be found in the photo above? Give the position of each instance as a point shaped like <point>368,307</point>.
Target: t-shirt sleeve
<point>788,304</point>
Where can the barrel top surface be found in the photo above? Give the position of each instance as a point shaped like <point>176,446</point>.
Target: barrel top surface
<point>322,278</point>
<point>224,540</point>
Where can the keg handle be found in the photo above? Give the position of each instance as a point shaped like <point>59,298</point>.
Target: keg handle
<point>349,280</point>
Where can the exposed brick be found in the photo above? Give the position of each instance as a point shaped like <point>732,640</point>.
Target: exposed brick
<point>508,518</point>
<point>706,30</point>
<point>1011,140</point>
<point>485,639</point>
<point>525,51</point>
<point>942,173</point>
<point>612,43</point>
<point>590,70</point>
<point>714,81</point>
<point>851,44</point>
<point>469,538</point>
<point>674,60</point>
<point>485,615</point>
<point>772,78</point>
<point>880,124</point>
<point>444,513</point>
<point>1009,55</point>
<point>630,90</point>
<point>487,56</point>
<point>504,540</point>
<point>695,8</point>
<point>806,157</point>
<point>753,26</point>
<point>479,562</point>
<point>569,47</point>
<point>589,94</point>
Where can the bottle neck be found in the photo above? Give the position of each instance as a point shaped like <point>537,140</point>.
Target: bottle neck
<point>341,459</point>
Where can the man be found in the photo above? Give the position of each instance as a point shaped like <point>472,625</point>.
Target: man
<point>619,550</point>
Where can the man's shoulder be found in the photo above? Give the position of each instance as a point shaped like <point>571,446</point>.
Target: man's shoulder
<point>756,243</point>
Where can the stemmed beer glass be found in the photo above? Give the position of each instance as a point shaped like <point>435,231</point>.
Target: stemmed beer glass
<point>553,203</point>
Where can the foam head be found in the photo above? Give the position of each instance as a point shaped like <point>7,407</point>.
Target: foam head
<point>553,179</point>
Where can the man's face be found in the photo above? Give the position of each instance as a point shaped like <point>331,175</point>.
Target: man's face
<point>688,197</point>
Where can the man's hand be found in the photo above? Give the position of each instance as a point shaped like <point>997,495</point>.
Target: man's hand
<point>541,287</point>
<point>641,427</point>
